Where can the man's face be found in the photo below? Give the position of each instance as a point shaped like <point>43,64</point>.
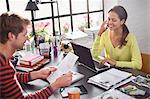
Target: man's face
<point>20,39</point>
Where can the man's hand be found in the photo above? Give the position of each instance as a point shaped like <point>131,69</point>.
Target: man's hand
<point>43,73</point>
<point>62,81</point>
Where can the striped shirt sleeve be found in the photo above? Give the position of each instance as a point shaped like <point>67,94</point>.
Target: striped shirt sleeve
<point>9,88</point>
<point>23,77</point>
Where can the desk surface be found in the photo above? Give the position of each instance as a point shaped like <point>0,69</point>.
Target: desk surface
<point>93,90</point>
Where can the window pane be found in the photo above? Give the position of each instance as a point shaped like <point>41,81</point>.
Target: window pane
<point>44,0</point>
<point>3,6</point>
<point>18,6</point>
<point>79,6</point>
<point>96,19</point>
<point>95,5</point>
<point>65,24</point>
<point>79,21</point>
<point>44,11</point>
<point>63,7</point>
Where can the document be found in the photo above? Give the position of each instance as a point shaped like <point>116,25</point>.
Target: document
<point>109,78</point>
<point>64,66</point>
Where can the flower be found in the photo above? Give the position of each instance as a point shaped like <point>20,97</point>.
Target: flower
<point>40,31</point>
<point>66,27</point>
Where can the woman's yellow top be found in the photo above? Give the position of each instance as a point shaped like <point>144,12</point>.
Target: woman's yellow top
<point>126,56</point>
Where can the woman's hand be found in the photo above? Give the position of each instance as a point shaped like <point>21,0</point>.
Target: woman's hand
<point>102,28</point>
<point>43,73</point>
<point>110,61</point>
<point>62,81</point>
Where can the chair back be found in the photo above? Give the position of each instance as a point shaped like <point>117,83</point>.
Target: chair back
<point>145,63</point>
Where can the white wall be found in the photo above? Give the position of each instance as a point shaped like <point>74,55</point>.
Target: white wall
<point>108,4</point>
<point>138,20</point>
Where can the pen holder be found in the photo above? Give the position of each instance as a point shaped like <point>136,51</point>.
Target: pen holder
<point>55,50</point>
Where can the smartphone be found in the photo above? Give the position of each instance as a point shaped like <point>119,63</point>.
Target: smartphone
<point>102,58</point>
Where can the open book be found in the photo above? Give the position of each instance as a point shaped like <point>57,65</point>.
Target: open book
<point>109,78</point>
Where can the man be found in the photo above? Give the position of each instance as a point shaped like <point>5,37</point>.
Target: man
<point>13,34</point>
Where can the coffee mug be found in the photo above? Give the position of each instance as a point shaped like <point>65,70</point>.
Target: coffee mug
<point>74,93</point>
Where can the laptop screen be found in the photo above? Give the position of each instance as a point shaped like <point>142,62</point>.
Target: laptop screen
<point>84,54</point>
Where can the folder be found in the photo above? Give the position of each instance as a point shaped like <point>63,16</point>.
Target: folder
<point>109,78</point>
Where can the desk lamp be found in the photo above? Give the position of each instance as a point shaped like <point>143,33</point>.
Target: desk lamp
<point>31,6</point>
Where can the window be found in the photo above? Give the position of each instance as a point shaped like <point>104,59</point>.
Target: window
<point>80,21</point>
<point>65,24</point>
<point>79,6</point>
<point>95,5</point>
<point>96,19</point>
<point>63,7</point>
<point>18,7</point>
<point>44,11</point>
<point>72,13</point>
<point>3,6</point>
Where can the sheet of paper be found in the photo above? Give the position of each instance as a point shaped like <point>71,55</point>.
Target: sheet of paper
<point>64,66</point>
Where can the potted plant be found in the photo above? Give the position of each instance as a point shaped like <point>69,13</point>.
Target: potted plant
<point>41,33</point>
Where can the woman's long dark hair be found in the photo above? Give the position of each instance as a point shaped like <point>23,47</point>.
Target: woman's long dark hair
<point>122,13</point>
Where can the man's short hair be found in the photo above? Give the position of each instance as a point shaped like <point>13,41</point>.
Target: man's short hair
<point>11,23</point>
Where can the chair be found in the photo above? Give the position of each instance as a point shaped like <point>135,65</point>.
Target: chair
<point>145,63</point>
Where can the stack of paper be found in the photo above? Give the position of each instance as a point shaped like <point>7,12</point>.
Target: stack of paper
<point>109,78</point>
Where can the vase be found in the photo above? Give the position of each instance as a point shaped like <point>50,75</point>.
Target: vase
<point>40,39</point>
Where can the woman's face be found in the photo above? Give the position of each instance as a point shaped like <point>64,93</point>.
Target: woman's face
<point>114,22</point>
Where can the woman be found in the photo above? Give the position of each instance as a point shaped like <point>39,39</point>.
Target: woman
<point>121,47</point>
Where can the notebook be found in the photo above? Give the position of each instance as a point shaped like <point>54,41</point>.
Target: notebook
<point>85,58</point>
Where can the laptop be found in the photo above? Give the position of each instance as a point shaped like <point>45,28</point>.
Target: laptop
<point>85,58</point>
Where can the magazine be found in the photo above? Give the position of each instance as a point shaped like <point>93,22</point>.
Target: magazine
<point>113,94</point>
<point>134,90</point>
<point>142,81</point>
